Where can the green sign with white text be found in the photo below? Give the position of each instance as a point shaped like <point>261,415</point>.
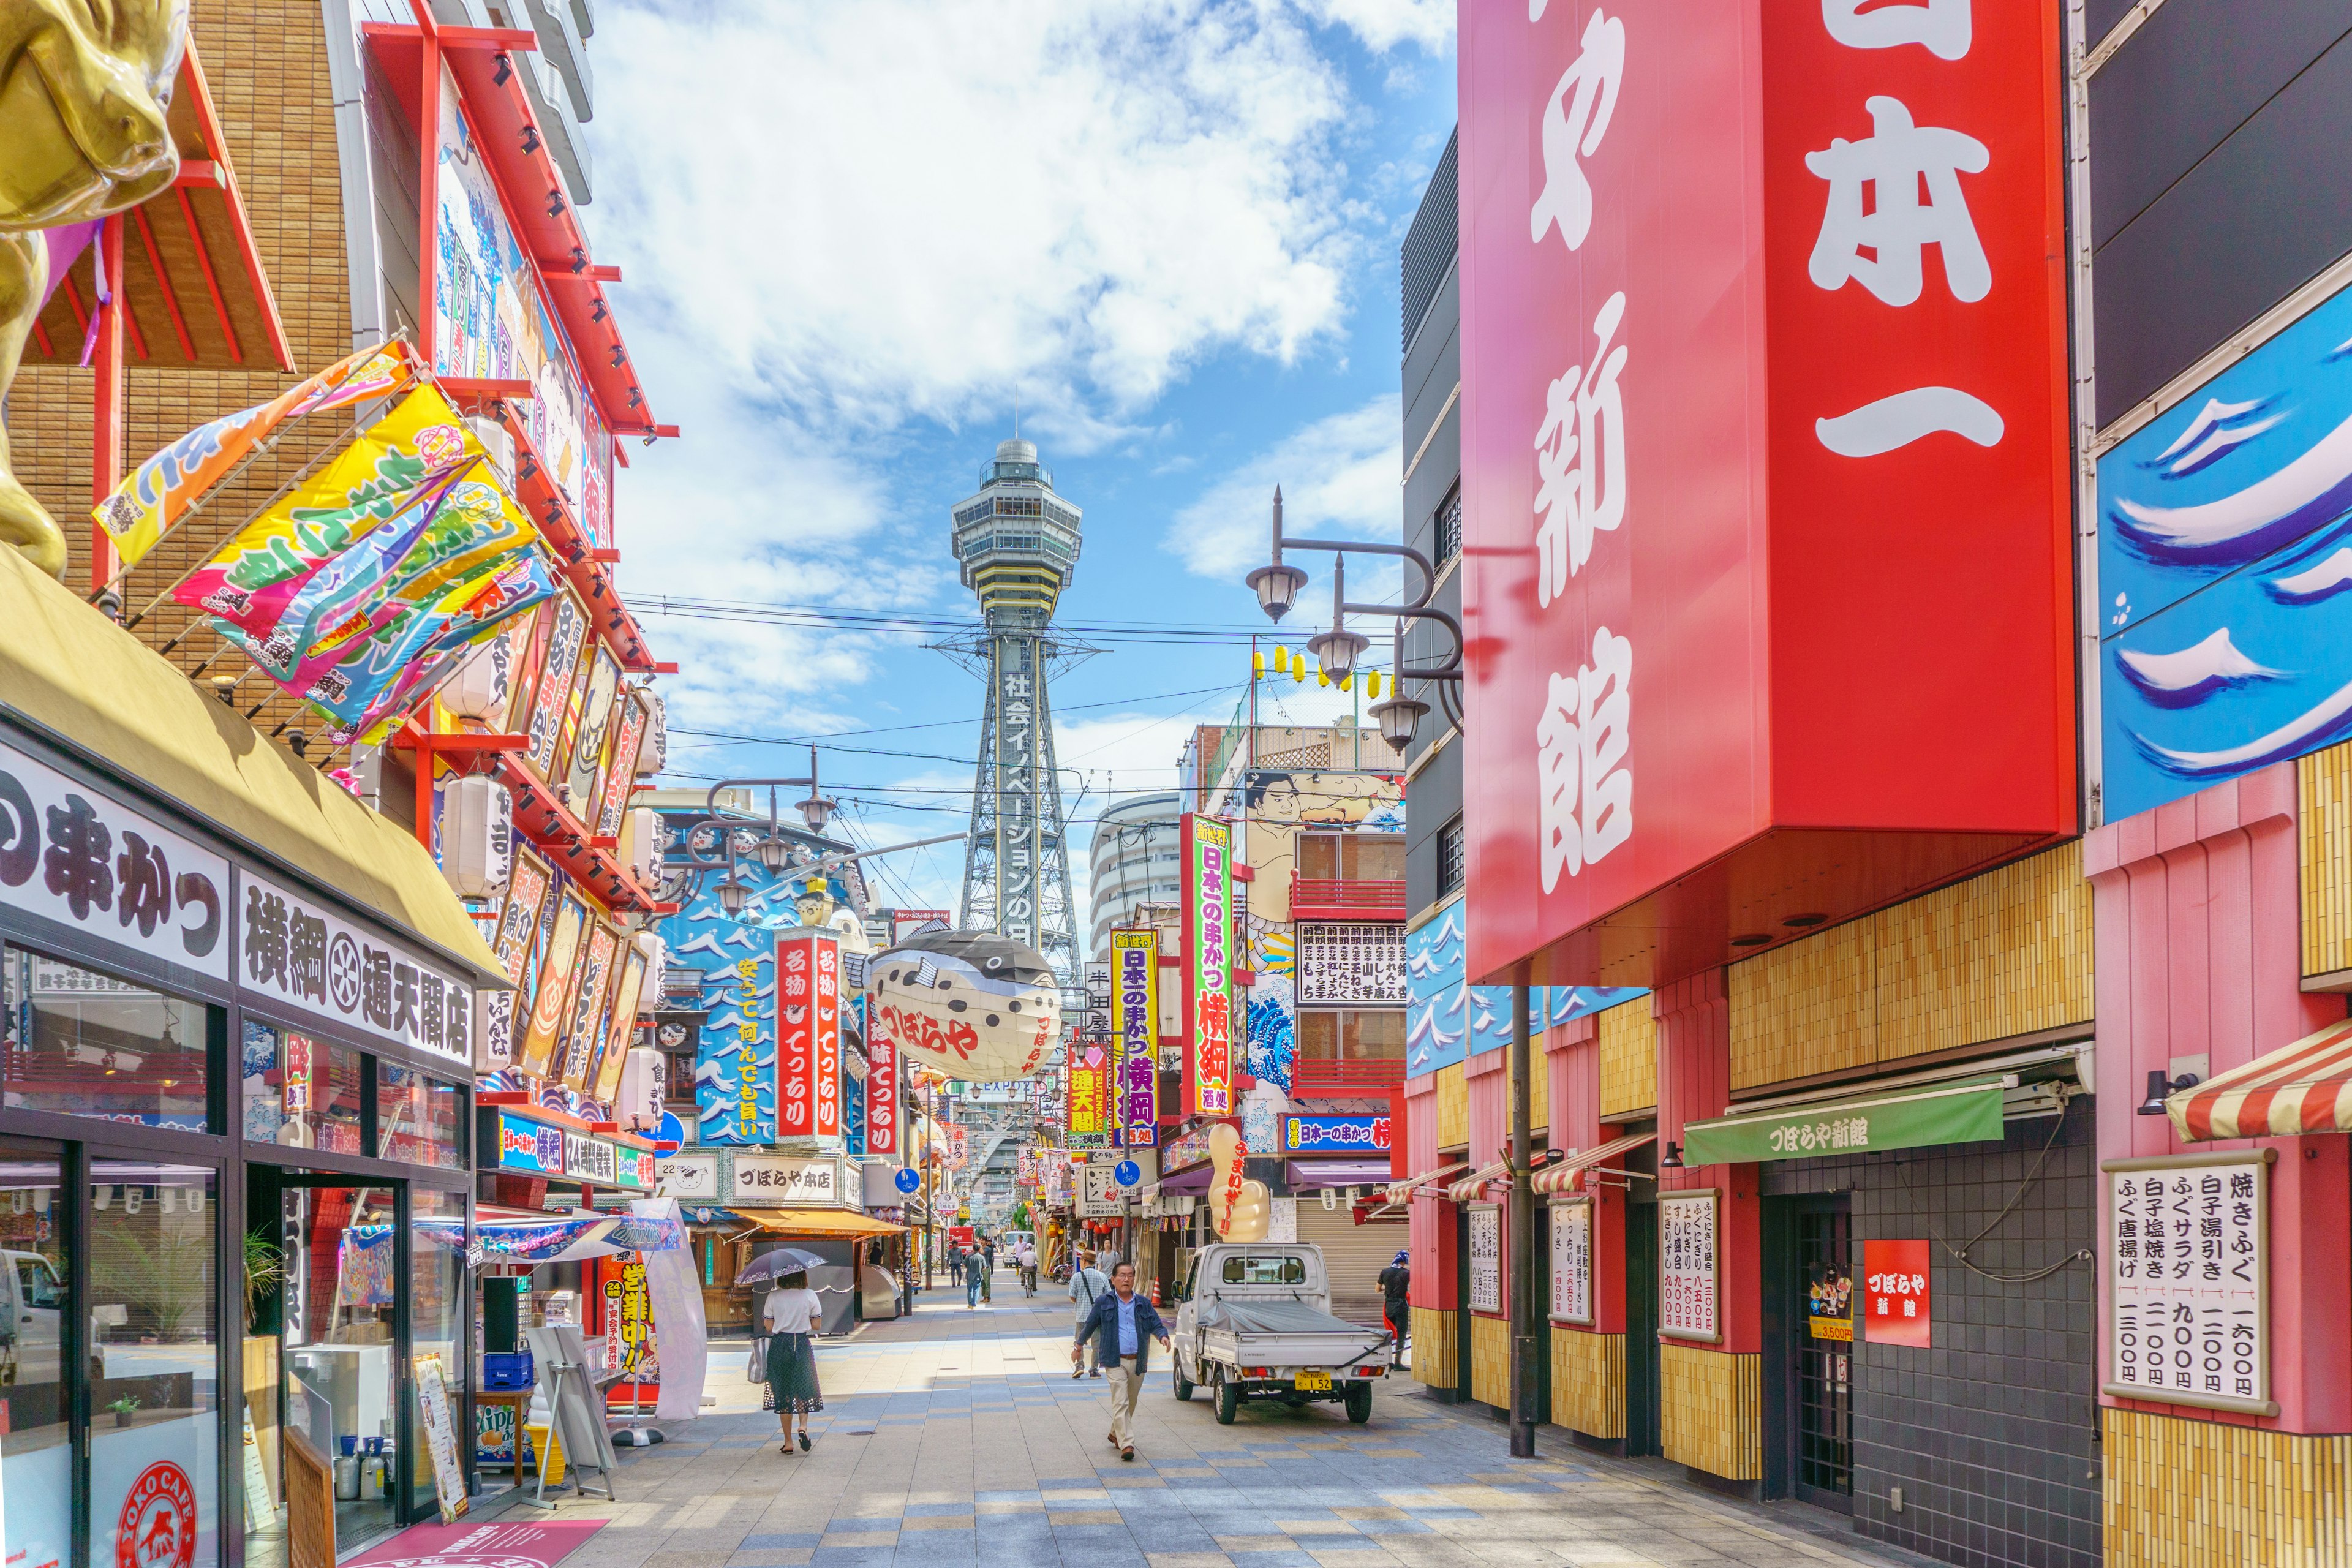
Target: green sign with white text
<point>1960,1113</point>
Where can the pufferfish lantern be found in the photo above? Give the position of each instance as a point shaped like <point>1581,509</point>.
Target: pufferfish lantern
<point>977,1006</point>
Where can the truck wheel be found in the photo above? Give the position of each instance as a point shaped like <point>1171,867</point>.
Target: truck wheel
<point>1176,1371</point>
<point>1229,1401</point>
<point>1360,1403</point>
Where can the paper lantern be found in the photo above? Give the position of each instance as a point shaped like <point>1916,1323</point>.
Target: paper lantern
<point>976,1006</point>
<point>654,749</point>
<point>656,954</point>
<point>641,844</point>
<point>479,690</point>
<point>643,1085</point>
<point>477,836</point>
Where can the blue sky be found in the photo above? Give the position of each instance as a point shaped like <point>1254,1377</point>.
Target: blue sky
<point>854,234</point>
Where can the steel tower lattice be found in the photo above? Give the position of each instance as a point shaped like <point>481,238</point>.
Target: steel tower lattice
<point>1017,542</point>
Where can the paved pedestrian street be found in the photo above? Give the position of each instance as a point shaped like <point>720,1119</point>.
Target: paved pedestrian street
<point>958,1436</point>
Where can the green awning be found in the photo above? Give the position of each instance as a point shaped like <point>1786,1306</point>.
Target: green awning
<point>1966,1112</point>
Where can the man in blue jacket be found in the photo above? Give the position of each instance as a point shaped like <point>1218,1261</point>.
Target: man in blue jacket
<point>1121,1325</point>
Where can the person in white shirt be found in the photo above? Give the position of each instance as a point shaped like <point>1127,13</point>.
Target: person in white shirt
<point>1088,1286</point>
<point>1025,1259</point>
<point>792,1313</point>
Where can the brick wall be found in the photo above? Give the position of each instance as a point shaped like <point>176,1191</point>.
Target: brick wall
<point>1993,1433</point>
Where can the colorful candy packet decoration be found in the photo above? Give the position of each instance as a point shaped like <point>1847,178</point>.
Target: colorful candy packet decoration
<point>157,493</point>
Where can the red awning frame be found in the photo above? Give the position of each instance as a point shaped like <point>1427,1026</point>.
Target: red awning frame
<point>1568,1175</point>
<point>1398,1192</point>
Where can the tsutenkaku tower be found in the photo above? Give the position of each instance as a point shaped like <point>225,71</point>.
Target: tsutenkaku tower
<point>1018,544</point>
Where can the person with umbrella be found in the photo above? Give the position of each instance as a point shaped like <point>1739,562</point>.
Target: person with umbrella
<point>792,1314</point>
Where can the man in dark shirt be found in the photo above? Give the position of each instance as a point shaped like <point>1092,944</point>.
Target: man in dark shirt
<point>1396,1281</point>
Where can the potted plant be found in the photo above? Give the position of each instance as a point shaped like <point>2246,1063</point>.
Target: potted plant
<point>122,1408</point>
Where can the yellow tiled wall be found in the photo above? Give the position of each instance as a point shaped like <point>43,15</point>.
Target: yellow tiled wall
<point>1712,1410</point>
<point>2005,953</point>
<point>1452,1093</point>
<point>2324,781</point>
<point>1628,1057</point>
<point>1588,1382</point>
<point>1435,1347</point>
<point>1490,1362</point>
<point>2199,1494</point>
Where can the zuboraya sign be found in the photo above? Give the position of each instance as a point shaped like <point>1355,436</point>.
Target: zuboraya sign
<point>1955,1113</point>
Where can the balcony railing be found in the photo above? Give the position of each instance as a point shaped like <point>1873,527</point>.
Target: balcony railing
<point>1346,897</point>
<point>1321,1075</point>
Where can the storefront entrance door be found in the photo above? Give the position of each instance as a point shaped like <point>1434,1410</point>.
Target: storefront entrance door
<point>1822,1319</point>
<point>1642,1428</point>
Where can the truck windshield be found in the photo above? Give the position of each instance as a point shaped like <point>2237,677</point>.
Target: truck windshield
<point>39,1286</point>
<point>1282,1268</point>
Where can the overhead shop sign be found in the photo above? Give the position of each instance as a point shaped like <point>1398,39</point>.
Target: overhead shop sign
<point>1954,1113</point>
<point>298,954</point>
<point>775,1179</point>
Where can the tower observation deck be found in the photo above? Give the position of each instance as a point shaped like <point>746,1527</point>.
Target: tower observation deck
<point>1017,542</point>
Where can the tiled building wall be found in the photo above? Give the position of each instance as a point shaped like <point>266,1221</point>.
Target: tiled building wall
<point>1490,1362</point>
<point>1993,1433</point>
<point>1588,1382</point>
<point>2199,1494</point>
<point>1453,1095</point>
<point>1712,1404</point>
<point>2324,785</point>
<point>2005,953</point>
<point>1436,1347</point>
<point>1628,1057</point>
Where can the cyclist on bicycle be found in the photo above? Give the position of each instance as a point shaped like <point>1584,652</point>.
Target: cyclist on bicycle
<point>1025,1258</point>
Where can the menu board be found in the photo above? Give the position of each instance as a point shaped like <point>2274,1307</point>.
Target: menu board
<point>1358,962</point>
<point>2188,1281</point>
<point>1689,1266</point>
<point>1486,1258</point>
<point>1571,1261</point>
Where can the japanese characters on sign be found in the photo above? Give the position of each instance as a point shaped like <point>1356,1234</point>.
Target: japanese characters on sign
<point>1486,1258</point>
<point>1089,1093</point>
<point>1100,1195</point>
<point>1097,1026</point>
<point>1018,753</point>
<point>531,1146</point>
<point>881,1086</point>
<point>528,887</point>
<point>773,1179</point>
<point>1360,962</point>
<point>628,1319</point>
<point>2188,1271</point>
<point>1895,1294</point>
<point>1689,1266</point>
<point>808,1037</point>
<point>1367,1133</point>
<point>591,1159</point>
<point>1207,910</point>
<point>297,953</point>
<point>1134,1027</point>
<point>91,864</point>
<point>686,1175</point>
<point>1571,1261</point>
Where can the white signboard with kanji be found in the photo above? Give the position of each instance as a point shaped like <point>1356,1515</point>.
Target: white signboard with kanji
<point>2189,1280</point>
<point>1689,1266</point>
<point>1359,961</point>
<point>1100,1197</point>
<point>296,953</point>
<point>774,1180</point>
<point>1571,1261</point>
<point>1486,1258</point>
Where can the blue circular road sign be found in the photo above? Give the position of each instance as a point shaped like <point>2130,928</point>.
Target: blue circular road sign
<point>1128,1173</point>
<point>906,1181</point>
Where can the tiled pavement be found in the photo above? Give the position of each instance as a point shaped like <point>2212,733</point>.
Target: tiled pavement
<point>958,1436</point>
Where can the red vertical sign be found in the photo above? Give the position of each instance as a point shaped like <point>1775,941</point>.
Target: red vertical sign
<point>1896,1300</point>
<point>825,1054</point>
<point>796,1036</point>
<point>881,1086</point>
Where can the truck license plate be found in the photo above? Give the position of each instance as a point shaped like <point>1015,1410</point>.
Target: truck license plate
<point>1314,1383</point>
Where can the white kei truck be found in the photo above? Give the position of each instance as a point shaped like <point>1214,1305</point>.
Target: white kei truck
<point>1254,1321</point>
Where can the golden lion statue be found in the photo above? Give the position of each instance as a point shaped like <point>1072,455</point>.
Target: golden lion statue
<point>85,87</point>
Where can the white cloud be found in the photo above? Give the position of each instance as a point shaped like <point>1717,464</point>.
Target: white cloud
<point>1384,24</point>
<point>1338,475</point>
<point>899,209</point>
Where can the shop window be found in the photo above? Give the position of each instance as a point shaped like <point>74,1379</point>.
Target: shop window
<point>85,1042</point>
<point>35,1451</point>
<point>436,1304</point>
<point>1447,525</point>
<point>1452,856</point>
<point>418,1120</point>
<point>1357,857</point>
<point>1352,1035</point>
<point>299,1090</point>
<point>156,1388</point>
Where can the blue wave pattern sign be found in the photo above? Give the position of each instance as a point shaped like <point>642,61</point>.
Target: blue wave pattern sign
<point>2225,554</point>
<point>1448,1020</point>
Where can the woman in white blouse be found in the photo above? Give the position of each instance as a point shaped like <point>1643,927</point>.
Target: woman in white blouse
<point>792,1313</point>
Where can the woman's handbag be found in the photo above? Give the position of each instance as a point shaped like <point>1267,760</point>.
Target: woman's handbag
<point>756,1369</point>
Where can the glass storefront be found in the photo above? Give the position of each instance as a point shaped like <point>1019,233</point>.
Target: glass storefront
<point>36,1441</point>
<point>90,1045</point>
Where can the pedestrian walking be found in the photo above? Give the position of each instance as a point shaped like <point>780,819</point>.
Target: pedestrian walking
<point>1396,1281</point>
<point>1121,1327</point>
<point>792,1313</point>
<point>1088,1286</point>
<point>973,1278</point>
<point>988,1269</point>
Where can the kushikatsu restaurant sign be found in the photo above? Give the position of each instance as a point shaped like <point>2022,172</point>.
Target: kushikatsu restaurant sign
<point>81,859</point>
<point>301,955</point>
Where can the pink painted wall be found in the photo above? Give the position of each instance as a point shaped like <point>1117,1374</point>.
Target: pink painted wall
<point>1488,1077</point>
<point>1429,1223</point>
<point>2198,952</point>
<point>1572,1058</point>
<point>1693,1083</point>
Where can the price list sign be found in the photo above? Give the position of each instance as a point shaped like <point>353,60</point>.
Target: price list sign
<point>2189,1277</point>
<point>1571,1261</point>
<point>1688,1265</point>
<point>1486,1258</point>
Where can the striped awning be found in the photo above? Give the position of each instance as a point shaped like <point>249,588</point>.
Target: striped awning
<point>1568,1175</point>
<point>1400,1191</point>
<point>2303,1087</point>
<point>1467,1189</point>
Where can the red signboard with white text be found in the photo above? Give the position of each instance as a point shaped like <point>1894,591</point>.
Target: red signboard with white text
<point>881,1086</point>
<point>1768,574</point>
<point>808,1037</point>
